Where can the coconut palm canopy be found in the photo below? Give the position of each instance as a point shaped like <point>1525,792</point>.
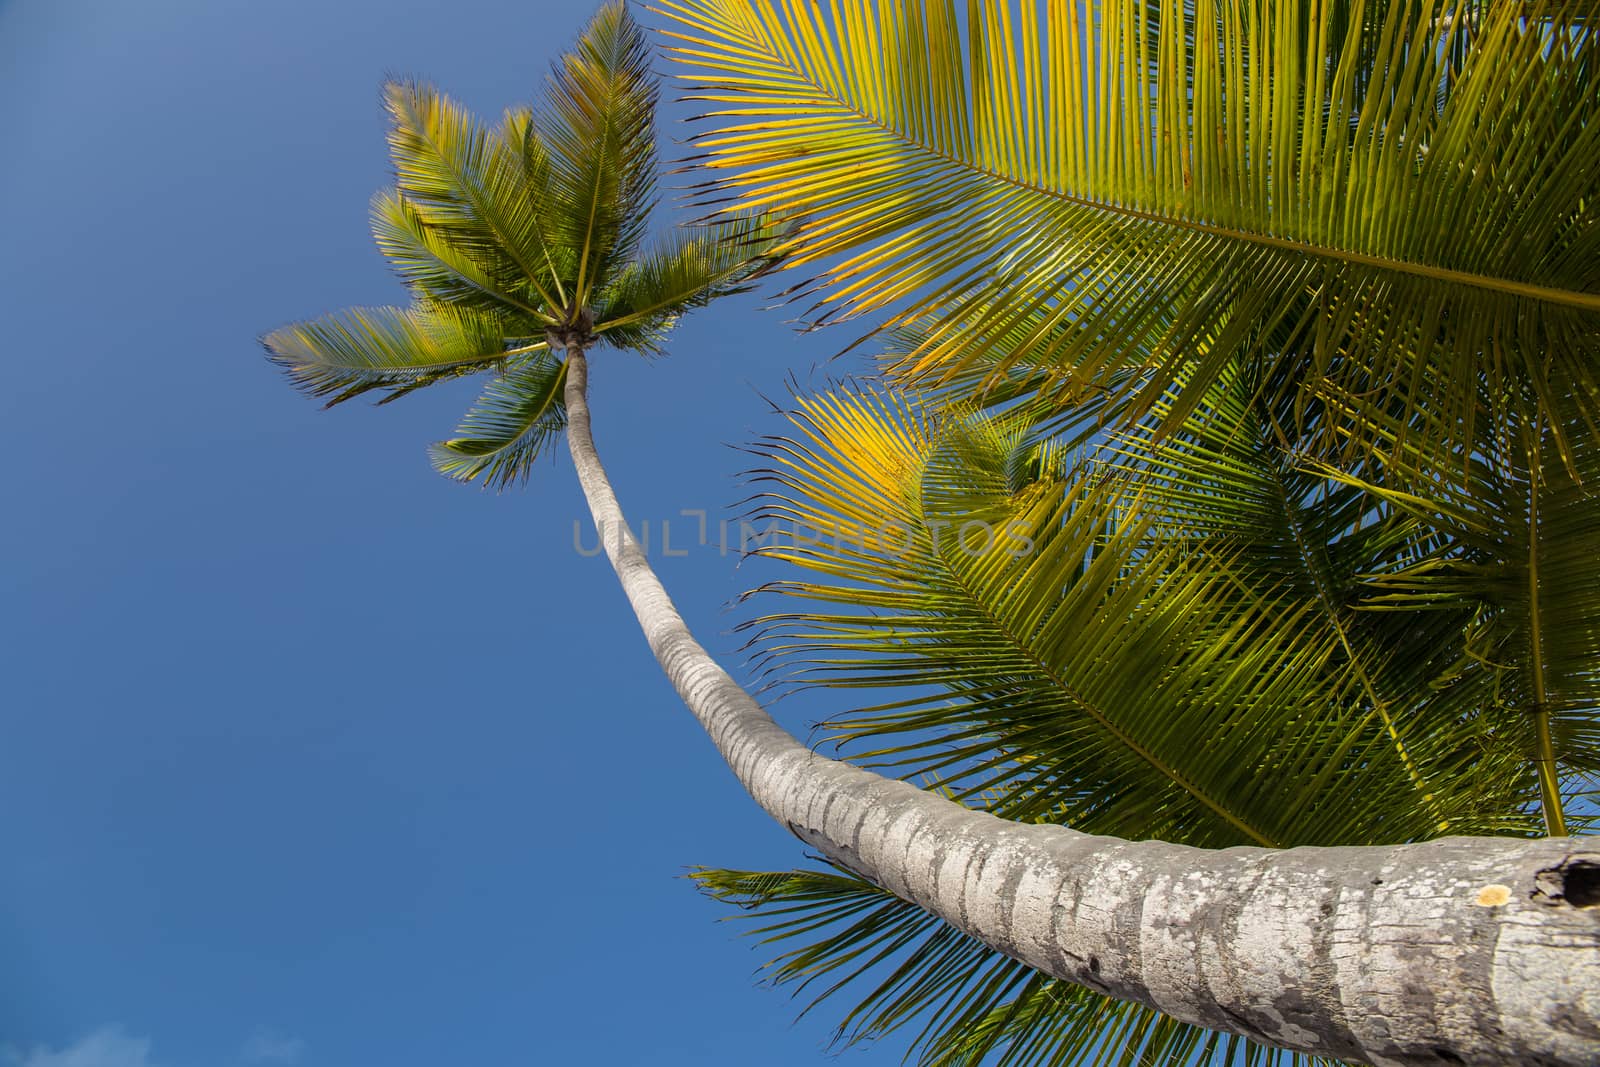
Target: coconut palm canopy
<point>1245,371</point>
<point>520,240</point>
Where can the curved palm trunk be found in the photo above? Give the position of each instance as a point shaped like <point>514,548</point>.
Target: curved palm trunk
<point>1461,950</point>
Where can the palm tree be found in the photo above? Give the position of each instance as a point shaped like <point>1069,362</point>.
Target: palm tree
<point>1331,275</point>
<point>523,247</point>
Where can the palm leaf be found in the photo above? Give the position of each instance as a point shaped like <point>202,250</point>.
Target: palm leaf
<point>1182,653</point>
<point>509,427</point>
<point>435,269</point>
<point>970,1004</point>
<point>598,128</point>
<point>687,271</point>
<point>360,349</point>
<point>1233,476</point>
<point>475,191</point>
<point>1064,641</point>
<point>1516,526</point>
<point>1144,184</point>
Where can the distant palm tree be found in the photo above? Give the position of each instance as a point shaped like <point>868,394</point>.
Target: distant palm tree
<point>523,248</point>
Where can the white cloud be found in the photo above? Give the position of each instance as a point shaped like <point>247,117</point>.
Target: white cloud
<point>267,1047</point>
<point>105,1047</point>
<point>111,1046</point>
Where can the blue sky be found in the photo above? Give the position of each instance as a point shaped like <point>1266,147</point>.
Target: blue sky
<point>310,757</point>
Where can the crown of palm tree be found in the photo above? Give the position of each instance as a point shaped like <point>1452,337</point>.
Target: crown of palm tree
<point>519,241</point>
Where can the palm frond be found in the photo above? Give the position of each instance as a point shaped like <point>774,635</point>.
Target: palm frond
<point>1516,525</point>
<point>360,349</point>
<point>1064,637</point>
<point>1177,642</point>
<point>436,270</point>
<point>1140,185</point>
<point>687,271</point>
<point>969,1004</point>
<point>597,127</point>
<point>509,427</point>
<point>478,193</point>
<point>1232,475</point>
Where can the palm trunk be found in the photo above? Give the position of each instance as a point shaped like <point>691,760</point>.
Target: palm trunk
<point>1456,951</point>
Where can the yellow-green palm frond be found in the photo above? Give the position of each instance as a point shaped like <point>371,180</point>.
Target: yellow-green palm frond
<point>1406,190</point>
<point>1014,372</point>
<point>1515,526</point>
<point>684,272</point>
<point>510,426</point>
<point>1233,475</point>
<point>1060,628</point>
<point>1152,635</point>
<point>467,216</point>
<point>352,352</point>
<point>598,127</point>
<point>439,271</point>
<point>965,1003</point>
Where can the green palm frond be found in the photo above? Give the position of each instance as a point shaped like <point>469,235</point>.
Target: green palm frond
<point>1516,525</point>
<point>360,349</point>
<point>509,427</point>
<point>940,969</point>
<point>1403,188</point>
<point>598,125</point>
<point>1191,636</point>
<point>439,271</point>
<point>970,1004</point>
<point>476,192</point>
<point>1064,637</point>
<point>687,272</point>
<point>1232,476</point>
<point>1014,373</point>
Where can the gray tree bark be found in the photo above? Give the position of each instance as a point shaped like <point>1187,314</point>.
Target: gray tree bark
<point>1456,951</point>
